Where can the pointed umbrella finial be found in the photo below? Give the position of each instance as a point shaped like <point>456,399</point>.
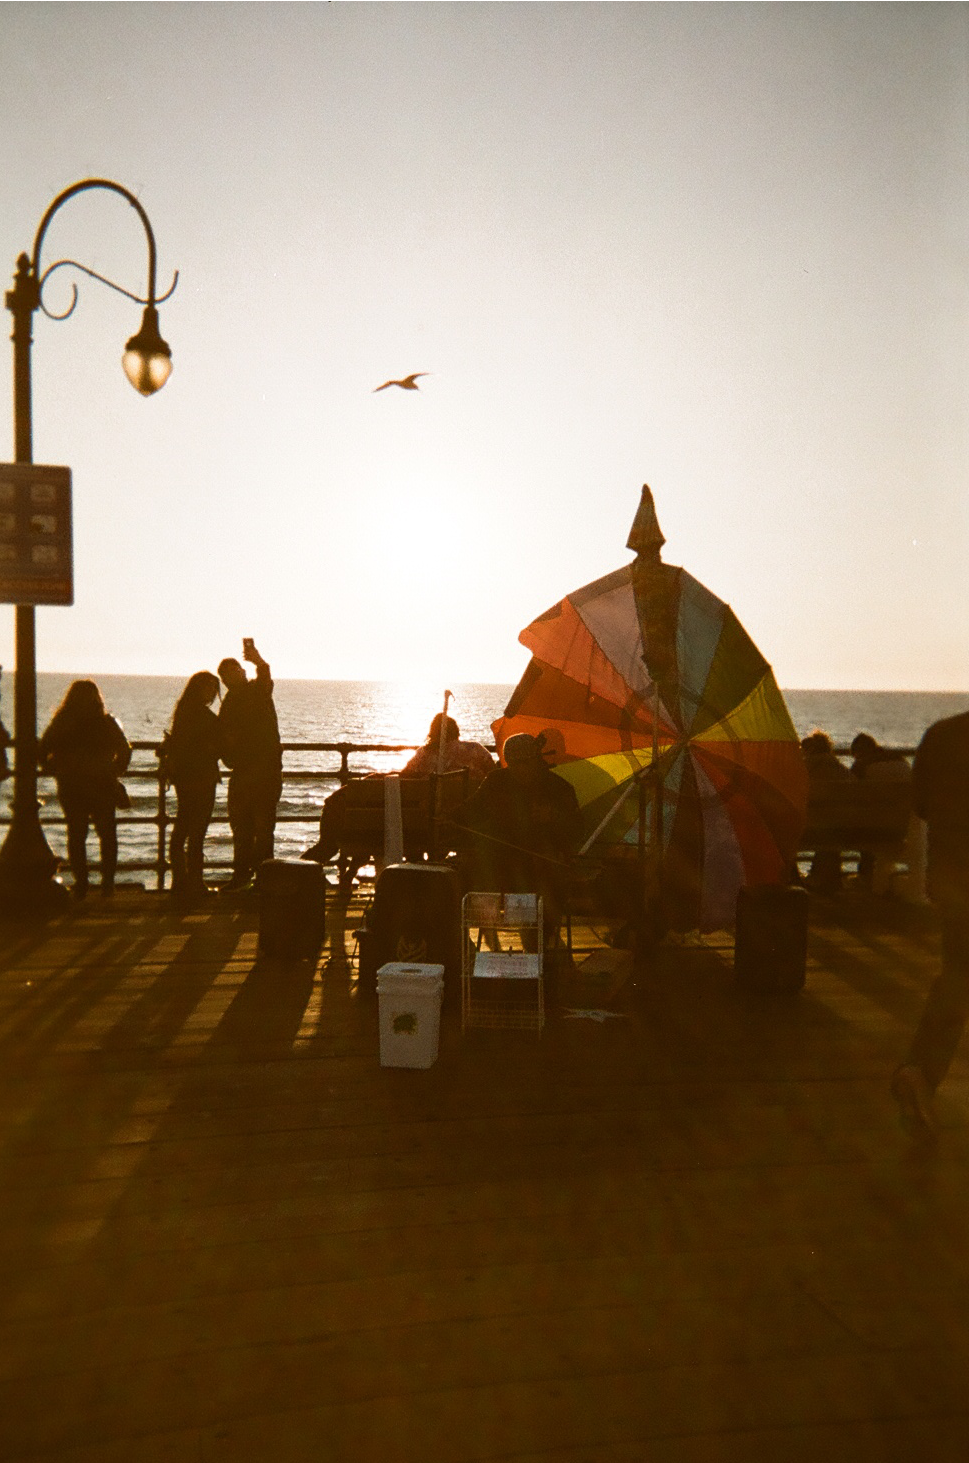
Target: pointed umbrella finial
<point>645,536</point>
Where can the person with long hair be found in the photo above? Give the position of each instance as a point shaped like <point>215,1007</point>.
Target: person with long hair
<point>445,751</point>
<point>85,749</point>
<point>190,758</point>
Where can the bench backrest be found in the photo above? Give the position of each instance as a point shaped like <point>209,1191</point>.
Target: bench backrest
<point>425,802</point>
<point>857,815</point>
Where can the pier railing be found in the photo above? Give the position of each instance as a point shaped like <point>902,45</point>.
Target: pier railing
<point>311,770</point>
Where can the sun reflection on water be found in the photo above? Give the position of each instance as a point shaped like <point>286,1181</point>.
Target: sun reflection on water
<point>383,711</point>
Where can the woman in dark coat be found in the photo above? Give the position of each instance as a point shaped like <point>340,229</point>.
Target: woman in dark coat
<point>190,756</point>
<point>85,749</point>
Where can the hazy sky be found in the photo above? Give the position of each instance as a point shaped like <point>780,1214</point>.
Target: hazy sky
<point>717,248</point>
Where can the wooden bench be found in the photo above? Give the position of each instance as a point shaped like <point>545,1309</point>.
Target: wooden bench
<point>857,817</point>
<point>427,806</point>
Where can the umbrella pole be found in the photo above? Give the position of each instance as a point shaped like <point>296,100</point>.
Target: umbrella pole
<point>441,749</point>
<point>651,854</point>
<point>643,861</point>
<point>626,793</point>
<point>442,735</point>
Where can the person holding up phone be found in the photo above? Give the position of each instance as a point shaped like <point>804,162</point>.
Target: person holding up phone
<point>250,747</point>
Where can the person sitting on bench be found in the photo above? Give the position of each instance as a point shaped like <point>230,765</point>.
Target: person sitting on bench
<point>523,826</point>
<point>823,767</point>
<point>444,751</point>
<point>458,757</point>
<point>874,763</point>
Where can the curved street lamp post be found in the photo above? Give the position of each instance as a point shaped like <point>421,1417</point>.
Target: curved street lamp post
<point>27,865</point>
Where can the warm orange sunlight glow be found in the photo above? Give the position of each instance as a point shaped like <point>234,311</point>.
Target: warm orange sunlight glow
<point>714,248</point>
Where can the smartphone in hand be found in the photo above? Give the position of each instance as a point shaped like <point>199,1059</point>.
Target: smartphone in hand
<point>248,646</point>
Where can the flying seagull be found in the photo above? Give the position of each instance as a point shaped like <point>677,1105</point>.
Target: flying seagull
<point>407,383</point>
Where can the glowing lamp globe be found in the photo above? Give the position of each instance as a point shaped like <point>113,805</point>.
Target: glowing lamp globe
<point>147,359</point>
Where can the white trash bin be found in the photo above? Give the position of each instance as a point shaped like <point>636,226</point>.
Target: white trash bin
<point>409,998</point>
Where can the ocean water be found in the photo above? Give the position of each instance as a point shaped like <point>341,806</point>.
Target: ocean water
<point>308,711</point>
<point>392,712</point>
<point>385,711</point>
<point>895,718</point>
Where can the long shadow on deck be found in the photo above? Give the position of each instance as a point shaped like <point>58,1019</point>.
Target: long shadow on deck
<point>687,1233</point>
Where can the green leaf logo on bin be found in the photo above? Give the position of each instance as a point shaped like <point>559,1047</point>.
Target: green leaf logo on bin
<point>406,1023</point>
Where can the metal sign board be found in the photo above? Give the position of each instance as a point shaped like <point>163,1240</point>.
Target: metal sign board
<point>36,546</point>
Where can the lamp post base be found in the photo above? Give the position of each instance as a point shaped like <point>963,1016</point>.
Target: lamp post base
<point>29,887</point>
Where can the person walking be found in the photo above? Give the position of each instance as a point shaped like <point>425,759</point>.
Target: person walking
<point>85,750</point>
<point>940,780</point>
<point>190,760</point>
<point>250,747</point>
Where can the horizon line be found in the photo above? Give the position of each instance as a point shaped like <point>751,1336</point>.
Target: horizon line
<point>489,681</point>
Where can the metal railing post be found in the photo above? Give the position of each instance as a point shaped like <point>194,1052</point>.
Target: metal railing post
<point>162,816</point>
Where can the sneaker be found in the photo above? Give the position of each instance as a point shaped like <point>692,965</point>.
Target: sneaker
<point>236,883</point>
<point>914,1097</point>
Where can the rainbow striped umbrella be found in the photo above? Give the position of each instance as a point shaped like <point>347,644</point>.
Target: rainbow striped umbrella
<point>644,676</point>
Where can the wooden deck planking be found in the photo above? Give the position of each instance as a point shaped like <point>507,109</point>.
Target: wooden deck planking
<point>693,1233</point>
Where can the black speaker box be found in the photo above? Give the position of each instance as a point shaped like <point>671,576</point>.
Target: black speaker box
<point>415,917</point>
<point>292,909</point>
<point>771,938</point>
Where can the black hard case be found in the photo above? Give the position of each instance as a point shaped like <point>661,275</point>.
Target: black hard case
<point>771,938</point>
<point>292,909</point>
<point>415,916</point>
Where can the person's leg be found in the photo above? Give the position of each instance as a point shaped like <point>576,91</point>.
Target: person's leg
<point>489,873</point>
<point>176,845</point>
<point>77,820</point>
<point>201,803</point>
<point>554,906</point>
<point>266,794</point>
<point>946,1008</point>
<point>105,823</point>
<point>939,1030</point>
<point>532,877</point>
<point>824,874</point>
<point>242,825</point>
<point>331,829</point>
<point>187,849</point>
<point>866,868</point>
<point>882,869</point>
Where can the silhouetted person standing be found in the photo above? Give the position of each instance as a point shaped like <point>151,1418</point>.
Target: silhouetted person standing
<point>249,746</point>
<point>86,751</point>
<point>940,775</point>
<point>190,756</point>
